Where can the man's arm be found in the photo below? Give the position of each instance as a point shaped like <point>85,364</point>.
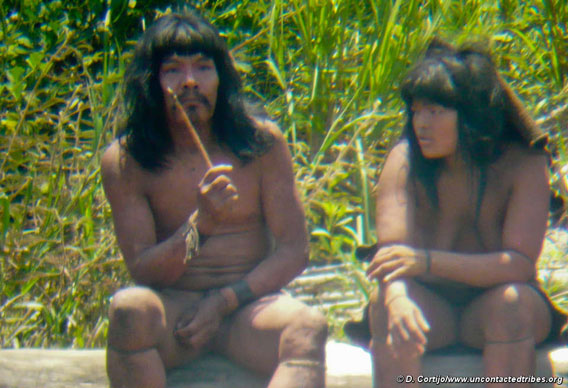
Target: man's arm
<point>148,262</point>
<point>285,218</point>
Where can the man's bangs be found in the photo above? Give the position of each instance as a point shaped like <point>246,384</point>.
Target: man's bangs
<point>431,81</point>
<point>185,39</point>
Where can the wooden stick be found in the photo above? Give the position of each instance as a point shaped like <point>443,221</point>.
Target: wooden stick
<point>191,129</point>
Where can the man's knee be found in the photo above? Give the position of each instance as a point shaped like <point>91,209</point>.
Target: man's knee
<point>136,319</point>
<point>305,336</point>
<point>509,313</point>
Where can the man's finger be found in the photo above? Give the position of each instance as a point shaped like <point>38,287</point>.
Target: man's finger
<point>214,172</point>
<point>200,339</point>
<point>228,196</point>
<point>219,184</point>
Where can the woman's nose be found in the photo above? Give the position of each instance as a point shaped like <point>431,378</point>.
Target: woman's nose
<point>420,118</point>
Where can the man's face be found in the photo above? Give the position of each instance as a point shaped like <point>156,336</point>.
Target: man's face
<point>436,129</point>
<point>194,79</point>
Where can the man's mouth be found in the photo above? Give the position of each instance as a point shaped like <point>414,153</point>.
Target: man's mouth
<point>193,100</point>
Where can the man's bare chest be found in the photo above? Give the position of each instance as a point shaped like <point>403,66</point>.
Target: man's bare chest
<point>173,195</point>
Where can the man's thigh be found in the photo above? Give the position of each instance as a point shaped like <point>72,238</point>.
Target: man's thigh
<point>251,337</point>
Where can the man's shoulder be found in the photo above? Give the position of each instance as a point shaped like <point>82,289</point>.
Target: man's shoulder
<point>117,164</point>
<point>272,130</point>
<point>266,125</point>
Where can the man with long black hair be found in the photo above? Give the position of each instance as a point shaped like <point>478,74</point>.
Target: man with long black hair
<point>209,246</point>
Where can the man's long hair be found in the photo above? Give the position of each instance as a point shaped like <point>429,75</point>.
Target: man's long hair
<point>144,124</point>
<point>488,113</point>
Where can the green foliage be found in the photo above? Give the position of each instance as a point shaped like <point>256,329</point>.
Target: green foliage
<point>326,70</point>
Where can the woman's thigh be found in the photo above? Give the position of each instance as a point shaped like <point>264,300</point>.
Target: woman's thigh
<point>507,305</point>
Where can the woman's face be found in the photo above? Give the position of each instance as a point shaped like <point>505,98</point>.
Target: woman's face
<point>436,129</point>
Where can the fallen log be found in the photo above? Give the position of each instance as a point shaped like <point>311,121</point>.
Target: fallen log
<point>347,366</point>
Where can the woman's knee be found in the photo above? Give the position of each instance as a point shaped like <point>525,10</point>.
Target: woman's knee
<point>509,313</point>
<point>305,336</point>
<point>136,319</point>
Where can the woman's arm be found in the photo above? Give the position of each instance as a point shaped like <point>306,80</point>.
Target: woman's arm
<point>394,211</point>
<point>523,234</point>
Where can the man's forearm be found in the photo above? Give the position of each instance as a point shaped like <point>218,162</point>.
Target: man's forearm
<point>163,263</point>
<point>278,269</point>
<point>270,275</point>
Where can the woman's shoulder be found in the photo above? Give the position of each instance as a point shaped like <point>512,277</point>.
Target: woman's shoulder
<point>398,157</point>
<point>517,155</point>
<point>518,161</point>
<point>400,152</point>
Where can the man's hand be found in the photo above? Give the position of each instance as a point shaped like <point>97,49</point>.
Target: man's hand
<point>216,197</point>
<point>197,326</point>
<point>407,328</point>
<point>397,261</point>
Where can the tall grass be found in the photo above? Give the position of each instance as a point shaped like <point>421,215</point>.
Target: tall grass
<point>326,70</point>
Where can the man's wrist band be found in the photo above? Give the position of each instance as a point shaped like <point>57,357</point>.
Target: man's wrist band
<point>243,292</point>
<point>428,260</point>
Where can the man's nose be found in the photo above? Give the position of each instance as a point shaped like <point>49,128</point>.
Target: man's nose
<point>189,80</point>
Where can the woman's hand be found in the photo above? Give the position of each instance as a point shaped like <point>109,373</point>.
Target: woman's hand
<point>398,261</point>
<point>407,328</point>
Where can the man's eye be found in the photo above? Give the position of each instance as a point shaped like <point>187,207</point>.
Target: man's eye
<point>170,70</point>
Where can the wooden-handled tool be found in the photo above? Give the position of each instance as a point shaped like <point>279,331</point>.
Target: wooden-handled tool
<point>191,129</point>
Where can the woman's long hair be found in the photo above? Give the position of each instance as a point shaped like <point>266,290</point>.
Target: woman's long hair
<point>144,123</point>
<point>465,80</point>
